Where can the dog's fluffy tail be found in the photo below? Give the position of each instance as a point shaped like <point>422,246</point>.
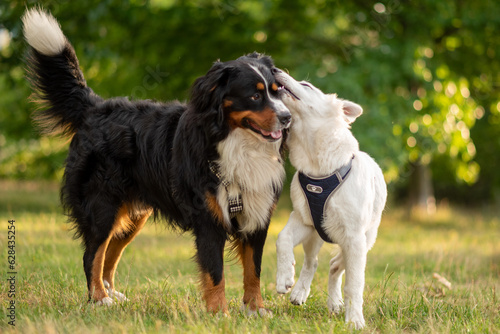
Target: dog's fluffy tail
<point>53,71</point>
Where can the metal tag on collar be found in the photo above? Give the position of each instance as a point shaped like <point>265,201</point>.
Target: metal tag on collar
<point>314,189</point>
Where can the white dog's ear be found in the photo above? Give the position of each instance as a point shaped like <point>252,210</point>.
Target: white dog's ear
<point>351,111</point>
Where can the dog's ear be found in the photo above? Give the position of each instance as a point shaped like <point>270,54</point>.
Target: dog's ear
<point>207,95</point>
<point>209,90</point>
<point>351,110</point>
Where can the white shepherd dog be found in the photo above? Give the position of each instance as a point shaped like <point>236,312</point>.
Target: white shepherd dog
<point>338,195</point>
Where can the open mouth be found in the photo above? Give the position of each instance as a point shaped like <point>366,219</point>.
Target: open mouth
<point>268,135</point>
<point>286,90</point>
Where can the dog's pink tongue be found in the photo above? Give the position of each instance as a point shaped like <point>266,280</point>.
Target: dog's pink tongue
<point>276,134</point>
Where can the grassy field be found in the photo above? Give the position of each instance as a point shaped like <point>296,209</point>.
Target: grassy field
<point>159,277</point>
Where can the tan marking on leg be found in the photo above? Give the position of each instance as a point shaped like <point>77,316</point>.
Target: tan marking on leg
<point>252,297</point>
<point>123,224</point>
<point>97,291</point>
<point>120,240</point>
<point>214,295</point>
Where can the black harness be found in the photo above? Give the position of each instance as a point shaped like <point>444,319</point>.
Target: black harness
<point>318,191</point>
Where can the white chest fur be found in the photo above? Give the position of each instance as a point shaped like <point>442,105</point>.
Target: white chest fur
<point>253,168</point>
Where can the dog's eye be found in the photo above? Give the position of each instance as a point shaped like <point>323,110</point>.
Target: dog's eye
<point>256,97</point>
<point>306,85</point>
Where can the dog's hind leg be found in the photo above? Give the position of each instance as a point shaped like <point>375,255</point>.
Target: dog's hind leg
<point>292,234</point>
<point>354,253</point>
<point>337,269</point>
<point>128,223</point>
<point>97,236</point>
<point>312,244</point>
<point>93,262</point>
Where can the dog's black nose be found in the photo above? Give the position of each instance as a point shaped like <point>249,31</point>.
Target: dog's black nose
<point>285,118</point>
<point>276,70</point>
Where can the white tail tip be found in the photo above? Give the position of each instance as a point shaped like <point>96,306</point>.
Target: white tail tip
<point>42,32</point>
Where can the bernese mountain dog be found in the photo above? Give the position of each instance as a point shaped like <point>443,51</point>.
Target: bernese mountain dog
<point>212,166</point>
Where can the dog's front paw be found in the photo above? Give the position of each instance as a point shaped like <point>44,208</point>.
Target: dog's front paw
<point>357,324</point>
<point>335,306</point>
<point>285,278</point>
<point>355,318</point>
<point>299,294</point>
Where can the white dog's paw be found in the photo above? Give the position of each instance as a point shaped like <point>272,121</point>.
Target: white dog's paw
<point>335,306</point>
<point>285,278</point>
<point>118,296</point>
<point>105,301</point>
<point>284,285</point>
<point>113,294</point>
<point>358,324</point>
<point>299,294</point>
<point>355,318</point>
<point>261,311</point>
<point>265,313</point>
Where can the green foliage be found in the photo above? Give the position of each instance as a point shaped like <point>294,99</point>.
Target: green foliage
<point>425,72</point>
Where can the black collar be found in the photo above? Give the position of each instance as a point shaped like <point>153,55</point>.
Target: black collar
<point>235,204</point>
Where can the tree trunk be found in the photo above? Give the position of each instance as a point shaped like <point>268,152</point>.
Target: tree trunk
<point>421,192</point>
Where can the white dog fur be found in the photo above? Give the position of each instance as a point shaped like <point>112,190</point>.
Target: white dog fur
<point>321,142</point>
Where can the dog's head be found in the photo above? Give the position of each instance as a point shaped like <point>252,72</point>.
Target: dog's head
<point>242,93</point>
<point>303,100</point>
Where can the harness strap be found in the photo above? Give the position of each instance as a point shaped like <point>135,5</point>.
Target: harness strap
<point>318,191</point>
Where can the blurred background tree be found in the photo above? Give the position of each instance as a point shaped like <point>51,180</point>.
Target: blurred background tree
<point>426,73</point>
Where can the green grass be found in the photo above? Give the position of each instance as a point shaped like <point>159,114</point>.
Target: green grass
<point>158,275</point>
